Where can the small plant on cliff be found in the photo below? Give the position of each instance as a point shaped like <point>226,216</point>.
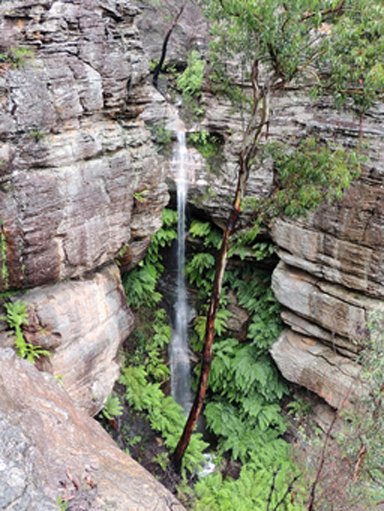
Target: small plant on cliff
<point>16,56</point>
<point>191,80</point>
<point>210,146</point>
<point>16,317</point>
<point>62,503</point>
<point>112,408</point>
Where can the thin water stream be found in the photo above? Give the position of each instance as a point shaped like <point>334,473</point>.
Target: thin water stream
<point>179,356</point>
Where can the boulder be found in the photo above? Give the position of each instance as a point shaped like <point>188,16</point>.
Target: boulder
<point>83,325</point>
<point>49,449</point>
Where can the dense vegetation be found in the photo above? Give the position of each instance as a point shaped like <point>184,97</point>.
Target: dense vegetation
<point>245,389</point>
<point>323,48</point>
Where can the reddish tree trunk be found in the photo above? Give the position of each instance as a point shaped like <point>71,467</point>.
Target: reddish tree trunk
<point>258,121</point>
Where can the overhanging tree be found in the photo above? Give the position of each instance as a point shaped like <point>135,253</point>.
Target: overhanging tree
<point>323,47</point>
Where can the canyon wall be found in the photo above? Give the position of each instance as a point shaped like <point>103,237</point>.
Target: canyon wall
<point>74,154</point>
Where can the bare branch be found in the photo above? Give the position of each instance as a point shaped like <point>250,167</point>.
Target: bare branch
<point>164,49</point>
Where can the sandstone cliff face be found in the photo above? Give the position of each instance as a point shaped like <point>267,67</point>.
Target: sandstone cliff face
<point>73,154</point>
<point>74,151</point>
<point>330,277</point>
<point>81,324</point>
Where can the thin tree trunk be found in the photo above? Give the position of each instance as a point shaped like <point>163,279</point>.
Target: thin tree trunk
<point>164,49</point>
<point>252,136</point>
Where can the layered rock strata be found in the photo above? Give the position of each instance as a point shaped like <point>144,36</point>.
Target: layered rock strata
<point>330,278</point>
<point>75,154</point>
<point>82,324</point>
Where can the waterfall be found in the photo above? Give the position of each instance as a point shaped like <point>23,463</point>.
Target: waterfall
<point>179,357</point>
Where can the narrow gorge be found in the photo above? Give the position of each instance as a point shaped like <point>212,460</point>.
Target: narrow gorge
<point>89,151</point>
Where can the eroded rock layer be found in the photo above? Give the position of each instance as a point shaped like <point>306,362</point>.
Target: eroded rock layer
<point>83,324</point>
<point>330,278</point>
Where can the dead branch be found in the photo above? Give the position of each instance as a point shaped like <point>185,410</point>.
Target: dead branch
<point>164,49</point>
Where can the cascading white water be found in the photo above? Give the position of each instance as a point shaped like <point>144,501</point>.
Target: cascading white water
<point>179,358</point>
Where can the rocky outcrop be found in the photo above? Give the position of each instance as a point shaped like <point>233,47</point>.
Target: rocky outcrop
<point>330,278</point>
<point>51,449</point>
<point>318,368</point>
<point>83,325</point>
<point>74,154</point>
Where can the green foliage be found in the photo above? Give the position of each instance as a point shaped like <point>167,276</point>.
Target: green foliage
<point>4,268</point>
<point>165,415</point>
<point>244,386</point>
<point>140,283</point>
<point>122,250</point>
<point>310,175</point>
<point>331,47</point>
<point>355,54</point>
<point>261,486</point>
<point>197,268</point>
<point>140,196</point>
<point>36,134</point>
<point>63,504</point>
<point>304,178</point>
<point>16,317</point>
<point>211,236</point>
<point>210,146</point>
<point>16,56</point>
<point>189,84</point>
<point>145,370</point>
<point>190,81</point>
<point>149,339</point>
<point>112,408</point>
<point>161,459</point>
